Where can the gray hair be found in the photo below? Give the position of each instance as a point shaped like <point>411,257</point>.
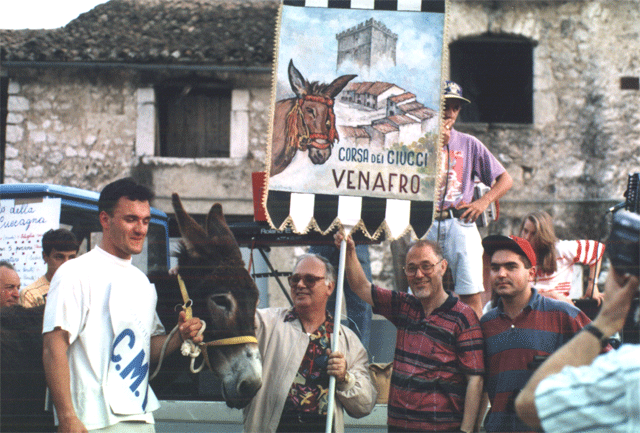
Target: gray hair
<point>421,243</point>
<point>330,271</point>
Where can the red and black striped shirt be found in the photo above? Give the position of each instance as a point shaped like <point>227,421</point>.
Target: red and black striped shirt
<point>433,355</point>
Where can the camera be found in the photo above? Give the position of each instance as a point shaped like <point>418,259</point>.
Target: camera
<point>623,245</point>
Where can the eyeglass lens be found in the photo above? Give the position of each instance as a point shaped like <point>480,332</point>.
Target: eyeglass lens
<point>425,268</point>
<point>307,279</point>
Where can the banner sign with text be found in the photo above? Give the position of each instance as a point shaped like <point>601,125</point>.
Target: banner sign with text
<point>355,116</point>
<point>22,224</point>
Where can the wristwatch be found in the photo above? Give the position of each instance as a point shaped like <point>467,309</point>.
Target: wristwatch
<point>593,330</point>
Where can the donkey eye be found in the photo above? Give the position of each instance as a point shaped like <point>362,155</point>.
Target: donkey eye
<point>328,123</point>
<point>310,111</point>
<point>222,301</point>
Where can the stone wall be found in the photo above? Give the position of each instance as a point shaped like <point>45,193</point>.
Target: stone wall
<point>574,159</point>
<point>70,127</point>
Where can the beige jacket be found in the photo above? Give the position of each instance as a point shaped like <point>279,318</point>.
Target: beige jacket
<point>282,347</point>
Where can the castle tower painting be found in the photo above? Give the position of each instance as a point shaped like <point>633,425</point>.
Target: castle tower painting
<point>368,44</point>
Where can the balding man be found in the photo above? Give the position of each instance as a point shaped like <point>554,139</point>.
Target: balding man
<point>9,285</point>
<point>297,360</point>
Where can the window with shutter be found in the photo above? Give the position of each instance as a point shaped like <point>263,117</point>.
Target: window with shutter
<point>194,122</point>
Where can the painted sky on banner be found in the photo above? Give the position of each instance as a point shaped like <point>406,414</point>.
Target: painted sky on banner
<point>308,37</point>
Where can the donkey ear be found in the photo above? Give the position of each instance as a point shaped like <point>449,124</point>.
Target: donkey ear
<point>298,83</point>
<point>193,235</point>
<point>220,234</point>
<point>337,85</point>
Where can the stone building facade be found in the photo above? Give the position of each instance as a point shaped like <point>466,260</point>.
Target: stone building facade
<point>574,158</point>
<point>82,111</point>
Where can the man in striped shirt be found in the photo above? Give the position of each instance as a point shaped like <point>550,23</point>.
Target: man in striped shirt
<point>522,326</point>
<point>438,365</point>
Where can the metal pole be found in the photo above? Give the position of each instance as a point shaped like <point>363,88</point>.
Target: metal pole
<point>276,275</point>
<point>336,332</point>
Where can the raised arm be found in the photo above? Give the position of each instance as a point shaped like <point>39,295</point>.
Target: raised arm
<point>584,347</point>
<point>353,270</point>
<point>56,370</point>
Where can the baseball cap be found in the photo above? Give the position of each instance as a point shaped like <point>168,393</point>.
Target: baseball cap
<point>454,91</point>
<point>518,245</point>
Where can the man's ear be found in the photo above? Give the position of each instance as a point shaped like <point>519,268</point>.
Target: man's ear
<point>104,219</point>
<point>532,273</point>
<point>331,287</point>
<point>445,264</point>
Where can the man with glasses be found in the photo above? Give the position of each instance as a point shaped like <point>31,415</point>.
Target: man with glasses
<point>436,384</point>
<point>297,360</point>
<point>9,285</point>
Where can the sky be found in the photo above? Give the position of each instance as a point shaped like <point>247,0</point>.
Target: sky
<point>42,14</point>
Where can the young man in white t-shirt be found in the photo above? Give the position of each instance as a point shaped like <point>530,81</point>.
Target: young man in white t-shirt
<point>100,327</point>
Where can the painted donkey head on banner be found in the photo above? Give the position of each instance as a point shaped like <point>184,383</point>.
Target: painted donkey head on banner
<point>224,296</point>
<point>306,122</point>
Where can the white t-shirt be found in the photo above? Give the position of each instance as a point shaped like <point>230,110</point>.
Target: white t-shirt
<point>78,302</point>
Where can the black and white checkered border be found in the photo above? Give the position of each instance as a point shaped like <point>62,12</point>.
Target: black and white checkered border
<point>388,5</point>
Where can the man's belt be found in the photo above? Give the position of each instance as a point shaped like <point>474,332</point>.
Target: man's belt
<point>449,213</point>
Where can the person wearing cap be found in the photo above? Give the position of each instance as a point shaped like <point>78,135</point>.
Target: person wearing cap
<point>523,326</point>
<point>464,159</point>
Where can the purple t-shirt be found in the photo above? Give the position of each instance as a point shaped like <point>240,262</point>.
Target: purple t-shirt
<point>468,158</point>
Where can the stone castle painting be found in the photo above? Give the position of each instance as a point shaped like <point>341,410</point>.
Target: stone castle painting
<point>356,105</point>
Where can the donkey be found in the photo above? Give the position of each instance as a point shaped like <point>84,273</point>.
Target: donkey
<point>306,121</point>
<point>224,296</point>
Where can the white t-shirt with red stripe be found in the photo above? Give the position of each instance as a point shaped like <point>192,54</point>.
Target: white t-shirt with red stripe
<point>568,253</point>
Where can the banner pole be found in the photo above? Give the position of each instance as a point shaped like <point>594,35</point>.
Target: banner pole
<point>336,332</point>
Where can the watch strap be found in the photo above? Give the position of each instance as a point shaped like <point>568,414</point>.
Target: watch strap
<point>593,330</point>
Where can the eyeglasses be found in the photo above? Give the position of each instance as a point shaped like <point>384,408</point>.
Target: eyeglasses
<point>307,279</point>
<point>425,267</point>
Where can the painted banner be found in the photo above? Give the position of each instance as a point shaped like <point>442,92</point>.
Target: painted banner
<point>355,116</point>
<point>22,224</point>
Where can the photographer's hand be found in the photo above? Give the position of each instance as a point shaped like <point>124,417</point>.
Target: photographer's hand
<point>584,347</point>
<point>619,291</point>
